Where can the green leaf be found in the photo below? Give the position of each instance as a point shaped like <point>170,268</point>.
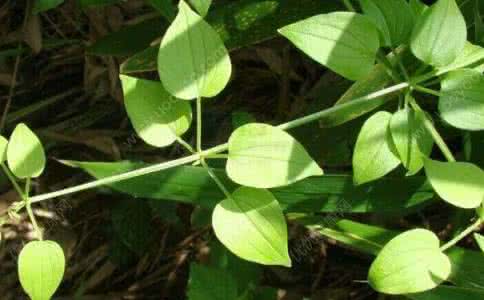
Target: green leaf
<point>3,149</point>
<point>208,283</point>
<point>374,155</point>
<point>193,185</point>
<point>41,268</point>
<point>131,220</point>
<point>412,141</point>
<point>242,23</point>
<point>479,240</point>
<point>459,183</point>
<point>88,3</point>
<point>157,117</point>
<point>466,264</point>
<point>417,7</point>
<point>129,39</point>
<point>462,103</point>
<point>264,156</point>
<point>25,154</point>
<point>202,6</point>
<point>165,7</point>
<point>470,56</point>
<point>43,5</point>
<point>410,263</point>
<point>449,292</point>
<point>193,61</point>
<point>252,226</point>
<point>345,42</point>
<point>440,34</point>
<point>394,19</point>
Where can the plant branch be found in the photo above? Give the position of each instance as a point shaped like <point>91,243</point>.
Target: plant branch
<point>12,180</point>
<point>462,235</point>
<point>349,5</point>
<point>217,149</point>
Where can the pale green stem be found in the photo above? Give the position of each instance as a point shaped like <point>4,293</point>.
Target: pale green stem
<point>216,179</point>
<point>185,144</point>
<point>215,150</point>
<point>462,235</point>
<point>199,124</point>
<point>427,90</point>
<point>28,206</point>
<point>12,180</point>
<point>349,5</point>
<point>433,132</point>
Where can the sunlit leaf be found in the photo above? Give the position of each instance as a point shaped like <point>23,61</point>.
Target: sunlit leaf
<point>157,117</point>
<point>3,149</point>
<point>193,61</point>
<point>440,34</point>
<point>471,55</point>
<point>479,240</point>
<point>462,101</point>
<point>345,42</point>
<point>374,155</point>
<point>459,183</point>
<point>41,268</point>
<point>264,156</point>
<point>25,154</point>
<point>410,263</point>
<point>250,224</point>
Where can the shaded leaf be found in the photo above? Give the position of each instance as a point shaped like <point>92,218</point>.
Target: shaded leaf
<point>202,6</point>
<point>345,42</point>
<point>43,5</point>
<point>449,292</point>
<point>412,141</point>
<point>264,156</point>
<point>208,283</point>
<point>394,19</point>
<point>253,215</point>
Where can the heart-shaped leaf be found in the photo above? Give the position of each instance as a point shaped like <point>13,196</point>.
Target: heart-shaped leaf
<point>410,263</point>
<point>459,183</point>
<point>345,42</point>
<point>462,102</point>
<point>25,154</point>
<point>193,61</point>
<point>411,139</point>
<point>440,34</point>
<point>394,19</point>
<point>264,156</point>
<point>41,268</point>
<point>374,154</point>
<point>157,117</point>
<point>250,224</point>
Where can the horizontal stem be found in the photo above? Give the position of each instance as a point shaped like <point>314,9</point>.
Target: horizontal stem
<point>215,150</point>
